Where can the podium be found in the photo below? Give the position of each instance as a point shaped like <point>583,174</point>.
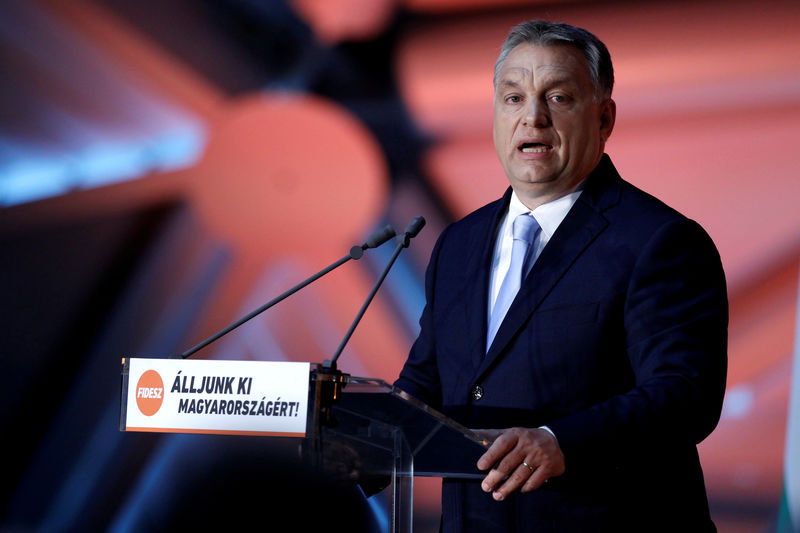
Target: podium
<point>372,431</point>
<point>358,430</point>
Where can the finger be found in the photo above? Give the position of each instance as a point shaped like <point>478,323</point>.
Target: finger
<point>517,479</point>
<point>492,480</point>
<point>487,434</point>
<point>511,460</point>
<point>499,448</point>
<point>505,469</point>
<point>537,478</point>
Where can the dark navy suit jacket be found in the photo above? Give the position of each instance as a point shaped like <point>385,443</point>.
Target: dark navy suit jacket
<point>617,341</point>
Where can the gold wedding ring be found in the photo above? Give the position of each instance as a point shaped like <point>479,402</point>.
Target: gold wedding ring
<point>529,466</point>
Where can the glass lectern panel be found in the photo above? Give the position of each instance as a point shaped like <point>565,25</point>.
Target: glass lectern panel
<point>370,413</point>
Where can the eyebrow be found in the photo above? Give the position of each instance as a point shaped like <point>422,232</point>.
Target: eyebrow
<point>556,81</point>
<point>506,83</point>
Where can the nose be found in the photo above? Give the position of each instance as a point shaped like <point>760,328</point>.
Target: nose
<point>537,115</point>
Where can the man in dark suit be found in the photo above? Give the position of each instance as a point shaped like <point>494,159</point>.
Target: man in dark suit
<point>598,379</point>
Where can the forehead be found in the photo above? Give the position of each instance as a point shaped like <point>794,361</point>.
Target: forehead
<point>528,62</point>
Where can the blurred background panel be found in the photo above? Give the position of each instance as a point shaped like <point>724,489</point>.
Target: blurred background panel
<point>166,168</point>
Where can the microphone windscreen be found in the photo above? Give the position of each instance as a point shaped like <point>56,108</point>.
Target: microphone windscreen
<point>414,226</point>
<point>379,237</point>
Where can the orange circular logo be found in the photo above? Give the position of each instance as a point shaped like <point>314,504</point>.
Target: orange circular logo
<point>150,393</point>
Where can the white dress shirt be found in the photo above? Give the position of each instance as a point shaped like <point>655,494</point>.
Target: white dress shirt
<point>548,216</point>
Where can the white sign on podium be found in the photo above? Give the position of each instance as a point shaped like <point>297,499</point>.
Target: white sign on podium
<point>218,397</point>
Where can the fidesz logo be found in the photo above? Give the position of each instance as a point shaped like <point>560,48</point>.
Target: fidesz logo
<point>150,393</point>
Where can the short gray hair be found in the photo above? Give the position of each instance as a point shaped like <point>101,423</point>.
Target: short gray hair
<point>544,33</point>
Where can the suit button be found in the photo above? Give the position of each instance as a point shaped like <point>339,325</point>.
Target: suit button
<point>477,392</point>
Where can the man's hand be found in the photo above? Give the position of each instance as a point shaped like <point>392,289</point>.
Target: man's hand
<point>519,458</point>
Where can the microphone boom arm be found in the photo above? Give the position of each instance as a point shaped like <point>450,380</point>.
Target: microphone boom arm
<point>403,241</point>
<point>332,362</point>
<point>375,240</point>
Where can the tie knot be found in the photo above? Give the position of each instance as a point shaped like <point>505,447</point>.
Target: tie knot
<point>524,227</point>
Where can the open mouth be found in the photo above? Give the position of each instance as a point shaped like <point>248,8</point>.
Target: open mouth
<point>534,148</point>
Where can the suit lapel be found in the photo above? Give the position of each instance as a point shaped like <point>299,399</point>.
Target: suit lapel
<point>576,232</point>
<point>477,294</point>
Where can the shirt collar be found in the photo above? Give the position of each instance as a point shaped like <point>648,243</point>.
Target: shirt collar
<point>549,215</point>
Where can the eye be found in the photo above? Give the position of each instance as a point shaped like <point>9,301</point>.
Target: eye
<point>558,98</point>
<point>513,99</point>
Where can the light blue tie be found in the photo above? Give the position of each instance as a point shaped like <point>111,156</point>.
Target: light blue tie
<point>524,230</point>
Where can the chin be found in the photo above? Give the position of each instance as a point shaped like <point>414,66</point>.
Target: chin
<point>537,180</point>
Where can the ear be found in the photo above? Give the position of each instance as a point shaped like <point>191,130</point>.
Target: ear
<point>608,115</point>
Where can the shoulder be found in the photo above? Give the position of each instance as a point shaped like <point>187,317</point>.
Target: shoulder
<point>606,192</point>
<point>632,211</point>
<point>657,224</point>
<point>464,244</point>
<point>488,214</point>
<point>476,227</point>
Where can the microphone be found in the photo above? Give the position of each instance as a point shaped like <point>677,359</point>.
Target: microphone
<point>413,229</point>
<point>356,252</point>
<point>373,241</point>
<point>403,241</point>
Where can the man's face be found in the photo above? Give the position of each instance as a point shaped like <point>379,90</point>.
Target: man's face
<point>549,129</point>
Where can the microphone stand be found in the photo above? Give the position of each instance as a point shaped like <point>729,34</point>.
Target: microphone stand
<point>356,252</point>
<point>329,379</point>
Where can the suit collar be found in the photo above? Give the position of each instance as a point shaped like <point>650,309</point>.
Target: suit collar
<point>603,187</point>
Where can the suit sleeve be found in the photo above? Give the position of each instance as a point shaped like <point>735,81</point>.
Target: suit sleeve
<point>675,322</point>
<point>420,374</point>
